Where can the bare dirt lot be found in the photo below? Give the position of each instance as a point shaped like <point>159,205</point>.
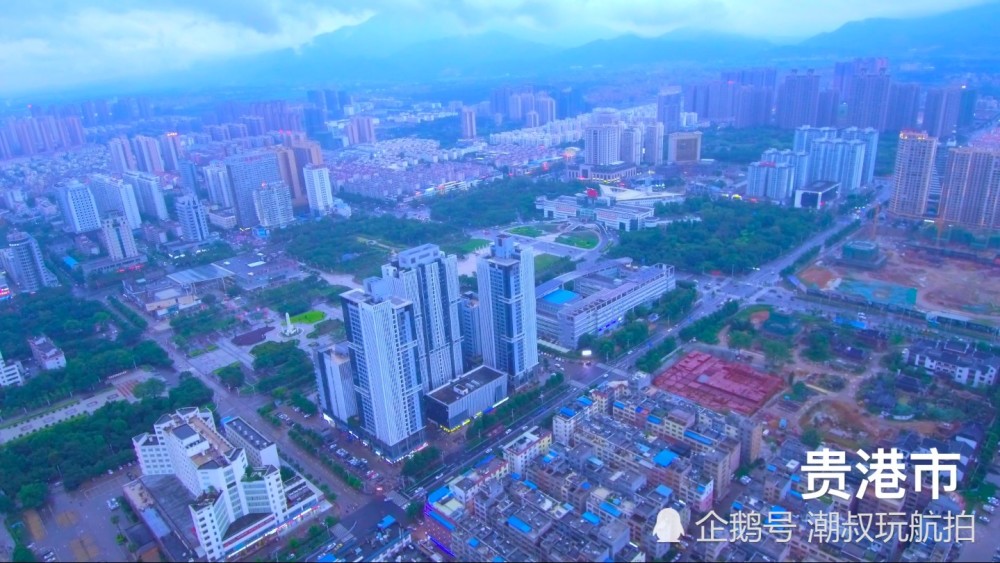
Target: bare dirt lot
<point>943,284</point>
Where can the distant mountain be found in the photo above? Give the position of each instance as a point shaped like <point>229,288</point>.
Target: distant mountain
<point>965,32</point>
<point>680,45</point>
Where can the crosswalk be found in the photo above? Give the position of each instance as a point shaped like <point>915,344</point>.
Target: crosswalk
<point>398,499</point>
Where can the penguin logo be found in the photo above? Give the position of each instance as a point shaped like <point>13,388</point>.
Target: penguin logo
<point>669,527</point>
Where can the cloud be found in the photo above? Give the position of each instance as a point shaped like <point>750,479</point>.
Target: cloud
<point>64,43</point>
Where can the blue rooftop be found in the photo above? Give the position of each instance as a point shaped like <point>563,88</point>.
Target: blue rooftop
<point>654,419</point>
<point>473,542</point>
<point>327,558</point>
<point>486,460</point>
<point>664,491</point>
<point>771,467</point>
<point>386,522</point>
<point>566,411</point>
<point>698,438</point>
<point>519,525</point>
<point>560,297</point>
<point>530,485</point>
<point>584,401</point>
<point>610,509</point>
<point>737,505</point>
<point>619,404</point>
<point>438,494</point>
<point>70,261</point>
<point>592,518</point>
<point>665,458</point>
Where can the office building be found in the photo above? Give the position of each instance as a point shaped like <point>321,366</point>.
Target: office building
<point>506,281</point>
<point>193,219</point>
<point>797,100</point>
<point>319,191</point>
<point>941,110</point>
<point>248,172</point>
<point>471,329</point>
<point>117,237</point>
<point>971,190</point>
<point>599,302</point>
<point>149,194</point>
<point>361,130</point>
<point>631,148</point>
<point>122,159</point>
<point>652,152</point>
<point>148,157</point>
<point>771,180</point>
<point>23,261</point>
<point>669,102</point>
<point>428,278</point>
<point>79,209</point>
<point>911,176</point>
<point>468,123</point>
<point>220,187</point>
<point>11,373</point>
<point>335,381</point>
<point>904,107</point>
<point>455,403</point>
<point>200,487</point>
<point>868,101</point>
<point>114,194</point>
<point>602,144</point>
<point>383,348</point>
<point>816,195</point>
<point>273,204</point>
<point>684,148</point>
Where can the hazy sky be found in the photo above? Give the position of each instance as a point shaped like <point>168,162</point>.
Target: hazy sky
<point>57,44</point>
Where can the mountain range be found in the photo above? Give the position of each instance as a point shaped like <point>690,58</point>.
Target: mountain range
<point>386,48</point>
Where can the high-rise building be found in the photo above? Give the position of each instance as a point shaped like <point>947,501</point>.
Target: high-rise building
<point>117,237</point>
<point>361,130</point>
<point>172,151</point>
<point>220,188</point>
<point>971,191</point>
<point>941,110</point>
<point>545,105</point>
<point>773,180</point>
<point>273,204</point>
<point>631,148</point>
<point>471,329</point>
<point>248,172</point>
<point>827,108</point>
<point>147,154</point>
<point>515,111</point>
<point>228,489</point>
<point>798,100</point>
<point>122,159</point>
<point>149,194</point>
<point>869,137</point>
<point>506,281</point>
<point>838,160</point>
<point>189,175</point>
<point>468,123</point>
<point>429,279</point>
<point>331,99</point>
<point>758,77</point>
<point>904,107</point>
<point>10,373</point>
<point>318,99</point>
<point>291,174</point>
<point>911,177</point>
<point>383,346</point>
<point>684,148</point>
<point>318,189</point>
<point>844,72</point>
<point>193,218</point>
<point>500,100</point>
<point>805,136</point>
<point>335,381</point>
<point>569,103</point>
<point>114,194</point>
<point>753,106</point>
<point>602,144</point>
<point>78,207</point>
<point>668,108</point>
<point>967,110</point>
<point>652,152</point>
<point>868,101</point>
<point>797,161</point>
<point>23,261</point>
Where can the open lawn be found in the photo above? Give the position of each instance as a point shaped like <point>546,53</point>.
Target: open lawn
<point>467,247</point>
<point>580,239</point>
<point>526,231</point>
<point>309,317</point>
<point>548,266</point>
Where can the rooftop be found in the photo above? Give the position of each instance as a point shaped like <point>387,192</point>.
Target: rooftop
<point>472,380</point>
<point>719,385</point>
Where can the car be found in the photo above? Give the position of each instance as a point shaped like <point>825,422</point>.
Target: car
<point>994,501</point>
<point>983,518</point>
<point>989,508</point>
<point>489,450</point>
<point>439,476</point>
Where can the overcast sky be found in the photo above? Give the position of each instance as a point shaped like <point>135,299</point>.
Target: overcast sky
<point>58,44</point>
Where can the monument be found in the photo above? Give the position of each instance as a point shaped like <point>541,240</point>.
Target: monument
<point>290,329</point>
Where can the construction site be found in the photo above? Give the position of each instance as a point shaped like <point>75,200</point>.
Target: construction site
<point>899,269</point>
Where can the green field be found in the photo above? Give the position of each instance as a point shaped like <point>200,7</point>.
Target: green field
<point>580,239</point>
<point>548,266</point>
<point>309,317</point>
<point>526,231</point>
<point>467,247</point>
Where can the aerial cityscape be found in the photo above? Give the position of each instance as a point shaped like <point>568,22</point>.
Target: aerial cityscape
<point>500,281</point>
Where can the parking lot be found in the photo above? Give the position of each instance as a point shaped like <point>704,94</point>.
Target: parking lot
<point>77,526</point>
